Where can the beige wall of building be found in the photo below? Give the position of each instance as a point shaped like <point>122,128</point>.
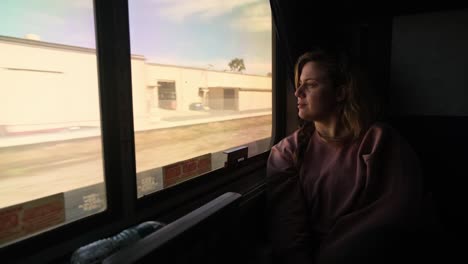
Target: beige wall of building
<point>216,99</point>
<point>251,100</point>
<point>189,80</point>
<point>139,93</point>
<point>44,85</point>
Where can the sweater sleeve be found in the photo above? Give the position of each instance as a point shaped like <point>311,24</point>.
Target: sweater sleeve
<point>393,194</point>
<point>390,203</point>
<point>287,214</point>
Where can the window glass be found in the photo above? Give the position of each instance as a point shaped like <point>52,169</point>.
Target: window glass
<point>201,80</point>
<point>51,169</point>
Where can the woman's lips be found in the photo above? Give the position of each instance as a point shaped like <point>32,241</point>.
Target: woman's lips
<point>301,105</point>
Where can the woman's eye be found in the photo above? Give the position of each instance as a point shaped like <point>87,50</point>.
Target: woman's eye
<point>307,85</point>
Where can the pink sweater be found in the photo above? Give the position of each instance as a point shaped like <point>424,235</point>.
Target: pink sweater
<point>341,194</point>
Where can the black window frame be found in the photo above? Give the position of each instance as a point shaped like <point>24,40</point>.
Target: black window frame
<point>124,208</point>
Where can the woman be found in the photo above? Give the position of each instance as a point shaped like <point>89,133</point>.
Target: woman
<point>341,188</point>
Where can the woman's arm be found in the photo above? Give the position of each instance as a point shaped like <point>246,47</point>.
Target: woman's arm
<point>286,207</point>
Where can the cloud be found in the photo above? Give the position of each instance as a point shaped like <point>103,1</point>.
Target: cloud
<point>41,24</point>
<point>180,10</point>
<point>81,39</point>
<point>46,19</point>
<point>256,18</point>
<point>82,4</point>
<point>67,5</point>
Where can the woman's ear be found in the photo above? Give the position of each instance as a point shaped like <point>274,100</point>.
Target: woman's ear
<point>341,94</point>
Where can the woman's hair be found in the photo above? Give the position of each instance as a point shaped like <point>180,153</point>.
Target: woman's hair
<point>356,111</point>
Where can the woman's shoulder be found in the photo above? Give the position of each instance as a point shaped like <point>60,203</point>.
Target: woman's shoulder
<point>281,159</point>
<point>381,126</point>
<point>288,143</point>
<point>380,135</point>
<point>381,130</point>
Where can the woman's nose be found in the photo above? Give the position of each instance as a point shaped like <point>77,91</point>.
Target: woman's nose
<point>299,92</point>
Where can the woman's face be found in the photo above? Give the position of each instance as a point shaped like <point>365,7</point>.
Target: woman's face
<point>316,98</point>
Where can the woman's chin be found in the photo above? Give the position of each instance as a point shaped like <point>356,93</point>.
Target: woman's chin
<point>304,116</point>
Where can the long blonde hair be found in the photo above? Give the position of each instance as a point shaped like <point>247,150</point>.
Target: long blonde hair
<point>357,110</point>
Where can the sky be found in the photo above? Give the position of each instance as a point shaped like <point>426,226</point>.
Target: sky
<point>198,33</point>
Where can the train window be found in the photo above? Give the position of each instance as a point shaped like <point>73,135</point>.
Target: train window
<point>201,84</point>
<point>51,164</point>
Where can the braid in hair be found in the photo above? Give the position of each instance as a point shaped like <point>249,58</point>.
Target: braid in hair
<point>305,132</point>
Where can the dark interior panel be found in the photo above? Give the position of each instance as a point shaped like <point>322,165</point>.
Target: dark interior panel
<point>429,64</point>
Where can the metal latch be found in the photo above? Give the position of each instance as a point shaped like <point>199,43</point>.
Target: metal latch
<point>236,155</point>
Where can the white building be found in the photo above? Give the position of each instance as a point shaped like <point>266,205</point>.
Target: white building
<point>46,86</point>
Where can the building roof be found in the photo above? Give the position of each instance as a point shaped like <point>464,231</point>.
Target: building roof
<point>40,43</point>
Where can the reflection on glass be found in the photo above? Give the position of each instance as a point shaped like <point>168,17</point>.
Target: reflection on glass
<point>50,145</point>
<point>201,76</point>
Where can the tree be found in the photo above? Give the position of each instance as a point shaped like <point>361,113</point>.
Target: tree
<point>237,64</point>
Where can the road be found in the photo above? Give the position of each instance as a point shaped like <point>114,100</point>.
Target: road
<point>35,171</point>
